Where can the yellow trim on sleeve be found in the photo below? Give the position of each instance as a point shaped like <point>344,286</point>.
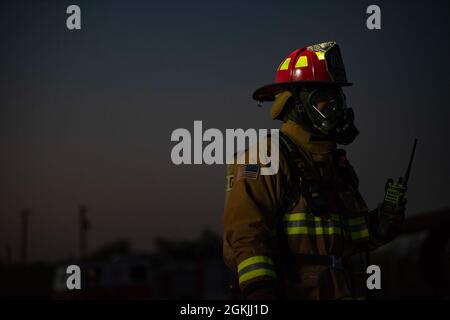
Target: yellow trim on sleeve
<point>256,273</point>
<point>253,260</point>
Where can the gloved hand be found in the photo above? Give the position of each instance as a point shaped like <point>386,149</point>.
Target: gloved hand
<point>390,214</point>
<point>390,221</point>
<point>261,290</point>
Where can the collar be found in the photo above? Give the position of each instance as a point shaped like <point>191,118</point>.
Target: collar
<point>306,140</point>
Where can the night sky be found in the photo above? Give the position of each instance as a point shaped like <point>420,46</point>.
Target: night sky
<point>86,116</point>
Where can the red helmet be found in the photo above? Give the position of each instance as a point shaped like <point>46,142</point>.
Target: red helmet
<point>318,64</point>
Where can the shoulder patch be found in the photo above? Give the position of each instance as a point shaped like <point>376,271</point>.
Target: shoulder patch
<point>248,171</point>
<point>230,177</point>
<point>230,180</point>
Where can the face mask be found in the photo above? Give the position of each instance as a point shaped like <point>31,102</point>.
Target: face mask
<point>327,111</point>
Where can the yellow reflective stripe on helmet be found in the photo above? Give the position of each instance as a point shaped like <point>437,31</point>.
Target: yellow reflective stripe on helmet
<point>285,64</point>
<point>320,55</point>
<point>357,235</point>
<point>253,260</point>
<point>256,273</point>
<point>313,231</point>
<point>302,62</point>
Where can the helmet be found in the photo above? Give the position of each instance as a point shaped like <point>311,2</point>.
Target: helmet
<point>319,64</point>
<point>310,80</point>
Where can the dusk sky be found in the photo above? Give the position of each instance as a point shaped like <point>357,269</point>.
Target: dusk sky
<point>86,116</point>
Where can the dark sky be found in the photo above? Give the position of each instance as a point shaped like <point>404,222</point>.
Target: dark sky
<point>86,116</point>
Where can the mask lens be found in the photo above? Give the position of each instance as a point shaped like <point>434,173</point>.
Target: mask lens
<point>328,101</point>
<point>328,114</point>
<point>326,98</point>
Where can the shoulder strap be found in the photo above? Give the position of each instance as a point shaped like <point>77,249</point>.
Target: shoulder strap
<point>344,168</point>
<point>305,179</point>
<point>298,157</point>
<point>294,161</point>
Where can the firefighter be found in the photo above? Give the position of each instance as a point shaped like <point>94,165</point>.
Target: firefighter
<point>292,234</point>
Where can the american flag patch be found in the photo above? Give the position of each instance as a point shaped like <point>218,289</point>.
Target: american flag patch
<point>249,171</point>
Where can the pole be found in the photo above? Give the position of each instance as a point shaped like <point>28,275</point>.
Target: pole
<point>83,226</point>
<point>24,235</point>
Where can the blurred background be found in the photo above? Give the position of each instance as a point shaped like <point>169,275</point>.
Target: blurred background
<point>86,117</point>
